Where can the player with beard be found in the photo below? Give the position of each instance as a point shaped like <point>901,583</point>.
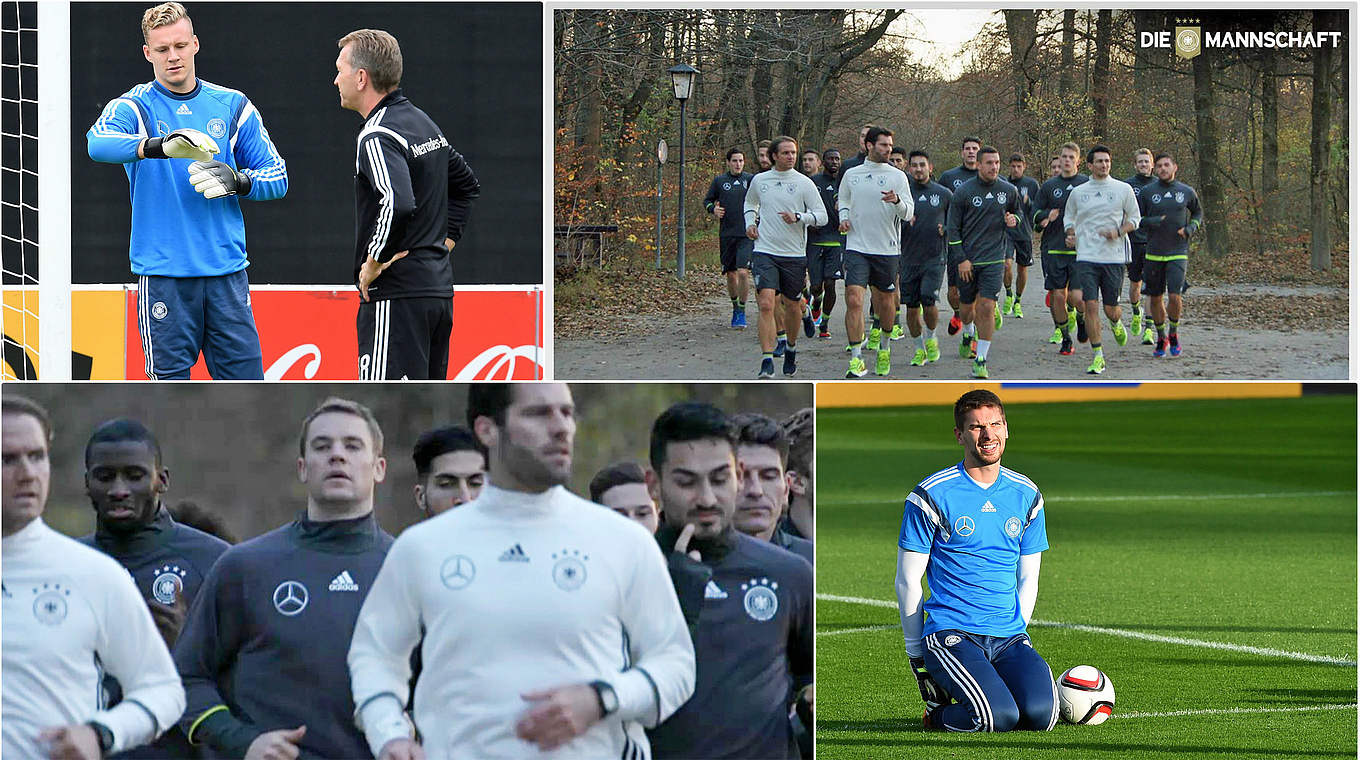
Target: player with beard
<point>126,481</point>
<point>825,246</point>
<point>923,257</point>
<point>450,467</point>
<point>550,623</point>
<point>724,200</point>
<point>977,531</point>
<point>1139,180</point>
<point>276,612</point>
<point>70,615</point>
<point>763,496</point>
<point>755,635</point>
<point>1171,215</point>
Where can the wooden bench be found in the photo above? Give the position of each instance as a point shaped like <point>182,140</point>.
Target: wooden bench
<point>577,235</point>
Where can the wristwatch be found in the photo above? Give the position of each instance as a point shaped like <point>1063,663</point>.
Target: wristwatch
<point>105,736</point>
<point>609,701</point>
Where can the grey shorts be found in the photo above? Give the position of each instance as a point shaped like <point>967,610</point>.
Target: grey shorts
<point>1164,277</point>
<point>1059,270</point>
<point>735,253</point>
<point>868,269</point>
<point>782,273</point>
<point>921,283</point>
<point>986,283</point>
<point>823,263</point>
<point>1101,281</point>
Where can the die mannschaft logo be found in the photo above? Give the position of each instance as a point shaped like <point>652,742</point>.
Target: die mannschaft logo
<point>1189,41</point>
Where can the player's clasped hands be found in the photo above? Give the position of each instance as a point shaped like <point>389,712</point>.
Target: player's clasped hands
<point>558,715</point>
<point>402,749</point>
<point>276,745</point>
<point>70,743</point>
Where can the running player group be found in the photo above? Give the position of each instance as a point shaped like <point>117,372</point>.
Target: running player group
<point>880,222</point>
<point>517,618</point>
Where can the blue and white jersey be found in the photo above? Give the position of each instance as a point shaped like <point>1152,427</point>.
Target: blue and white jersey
<point>975,537</point>
<point>176,232</point>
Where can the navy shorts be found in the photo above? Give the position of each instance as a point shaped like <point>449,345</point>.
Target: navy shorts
<point>735,253</point>
<point>998,684</point>
<point>405,338</point>
<point>1137,255</point>
<point>1101,281</point>
<point>1024,250</point>
<point>1165,277</point>
<point>1059,270</point>
<point>823,263</point>
<point>986,283</point>
<point>180,317</point>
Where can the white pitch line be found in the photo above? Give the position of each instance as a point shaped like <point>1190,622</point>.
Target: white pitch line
<point>859,630</point>
<point>1242,648</point>
<point>1059,498</point>
<point>1234,711</point>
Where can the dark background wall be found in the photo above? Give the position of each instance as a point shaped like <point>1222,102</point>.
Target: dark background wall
<point>232,447</point>
<point>475,68</point>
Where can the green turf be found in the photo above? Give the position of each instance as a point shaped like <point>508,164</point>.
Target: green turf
<point>1223,521</point>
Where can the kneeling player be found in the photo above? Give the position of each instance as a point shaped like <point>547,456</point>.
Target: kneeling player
<point>982,565</point>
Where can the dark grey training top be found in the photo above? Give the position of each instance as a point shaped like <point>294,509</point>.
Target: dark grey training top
<point>753,649</point>
<point>976,229</point>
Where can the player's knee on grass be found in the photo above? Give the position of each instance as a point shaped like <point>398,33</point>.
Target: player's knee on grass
<point>1036,713</point>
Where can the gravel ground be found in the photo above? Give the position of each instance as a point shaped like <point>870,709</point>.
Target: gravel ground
<point>1230,332</point>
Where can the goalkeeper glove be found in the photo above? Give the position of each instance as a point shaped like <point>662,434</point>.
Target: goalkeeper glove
<point>932,693</point>
<point>215,179</point>
<point>182,143</point>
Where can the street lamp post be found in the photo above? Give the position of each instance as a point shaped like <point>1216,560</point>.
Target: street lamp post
<point>682,79</point>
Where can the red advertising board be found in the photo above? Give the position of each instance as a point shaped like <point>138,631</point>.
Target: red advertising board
<point>310,334</point>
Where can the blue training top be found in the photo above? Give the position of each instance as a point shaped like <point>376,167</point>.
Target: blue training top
<point>975,537</point>
<point>176,232</point>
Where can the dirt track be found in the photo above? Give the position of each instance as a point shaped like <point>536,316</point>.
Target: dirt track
<point>697,344</point>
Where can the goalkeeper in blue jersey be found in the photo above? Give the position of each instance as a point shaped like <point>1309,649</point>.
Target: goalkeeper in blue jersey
<point>191,150</point>
<point>976,530</point>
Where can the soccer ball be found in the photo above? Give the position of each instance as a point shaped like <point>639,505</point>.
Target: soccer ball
<point>1085,695</point>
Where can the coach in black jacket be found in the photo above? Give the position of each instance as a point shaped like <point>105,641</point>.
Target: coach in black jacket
<point>412,193</point>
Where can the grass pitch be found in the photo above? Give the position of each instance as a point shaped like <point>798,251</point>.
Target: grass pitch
<point>1229,522</point>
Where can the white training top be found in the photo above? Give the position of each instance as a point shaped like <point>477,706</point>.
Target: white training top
<point>875,226</point>
<point>517,592</point>
<point>70,614</point>
<point>1099,205</point>
<point>774,191</point>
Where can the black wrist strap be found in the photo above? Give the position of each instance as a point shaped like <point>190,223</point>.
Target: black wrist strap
<point>151,148</point>
<point>104,734</point>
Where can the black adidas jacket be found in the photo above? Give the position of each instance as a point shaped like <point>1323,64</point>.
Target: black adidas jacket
<point>411,190</point>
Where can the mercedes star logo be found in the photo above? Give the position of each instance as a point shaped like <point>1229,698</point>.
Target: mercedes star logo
<point>290,598</point>
<point>457,572</point>
<point>964,526</point>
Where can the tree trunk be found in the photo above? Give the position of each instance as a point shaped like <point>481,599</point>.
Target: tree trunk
<point>1319,153</point>
<point>1022,28</point>
<point>1069,41</point>
<point>1100,77</point>
<point>1270,136</point>
<point>1206,143</point>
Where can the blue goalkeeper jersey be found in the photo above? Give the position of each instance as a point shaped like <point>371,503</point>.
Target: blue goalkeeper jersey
<point>176,232</point>
<point>975,537</point>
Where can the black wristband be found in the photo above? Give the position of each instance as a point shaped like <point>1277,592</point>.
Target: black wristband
<point>104,734</point>
<point>243,183</point>
<point>151,148</point>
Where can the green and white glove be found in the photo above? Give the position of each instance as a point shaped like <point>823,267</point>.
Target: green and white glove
<point>215,179</point>
<point>182,143</point>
